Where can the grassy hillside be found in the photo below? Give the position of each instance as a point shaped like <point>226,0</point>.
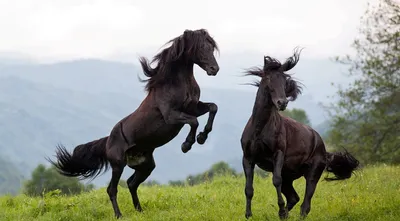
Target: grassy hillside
<point>374,194</point>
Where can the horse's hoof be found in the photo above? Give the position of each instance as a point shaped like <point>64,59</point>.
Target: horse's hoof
<point>201,138</point>
<point>118,215</point>
<point>283,214</point>
<point>139,209</point>
<point>248,215</point>
<point>186,146</point>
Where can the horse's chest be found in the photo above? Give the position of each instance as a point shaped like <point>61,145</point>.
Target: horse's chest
<point>192,94</point>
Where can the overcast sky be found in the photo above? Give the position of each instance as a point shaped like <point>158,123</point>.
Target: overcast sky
<point>67,29</point>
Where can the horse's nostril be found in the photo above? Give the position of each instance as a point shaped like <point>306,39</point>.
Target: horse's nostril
<point>279,102</point>
<point>214,68</point>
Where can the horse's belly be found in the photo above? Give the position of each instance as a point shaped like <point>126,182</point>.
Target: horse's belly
<point>161,135</point>
<point>266,165</point>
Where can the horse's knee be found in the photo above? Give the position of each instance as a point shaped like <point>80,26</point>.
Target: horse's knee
<point>194,123</point>
<point>213,108</point>
<point>249,192</point>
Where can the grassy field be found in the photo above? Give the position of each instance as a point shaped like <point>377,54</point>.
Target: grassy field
<point>373,194</point>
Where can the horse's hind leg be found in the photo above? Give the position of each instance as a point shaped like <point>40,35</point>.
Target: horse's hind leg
<point>112,188</point>
<point>277,181</point>
<point>142,171</point>
<point>312,177</point>
<point>292,198</point>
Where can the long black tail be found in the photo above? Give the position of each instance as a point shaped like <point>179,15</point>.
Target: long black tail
<point>87,160</point>
<point>342,165</point>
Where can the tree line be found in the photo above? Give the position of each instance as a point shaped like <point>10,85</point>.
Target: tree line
<point>366,119</point>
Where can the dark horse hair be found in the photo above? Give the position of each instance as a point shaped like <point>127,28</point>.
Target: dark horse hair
<point>87,161</point>
<point>189,42</point>
<point>293,87</point>
<point>339,164</point>
<point>158,119</point>
<point>283,146</point>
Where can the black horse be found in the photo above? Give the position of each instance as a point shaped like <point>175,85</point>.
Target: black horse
<point>284,146</point>
<point>172,101</point>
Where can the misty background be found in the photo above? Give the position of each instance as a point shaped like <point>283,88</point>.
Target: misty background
<point>68,70</point>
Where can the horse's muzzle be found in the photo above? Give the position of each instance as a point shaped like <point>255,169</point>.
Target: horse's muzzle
<point>213,70</point>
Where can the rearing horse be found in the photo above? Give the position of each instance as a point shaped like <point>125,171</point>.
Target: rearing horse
<point>284,146</point>
<point>172,101</point>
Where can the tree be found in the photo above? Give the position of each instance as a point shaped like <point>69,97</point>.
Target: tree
<point>217,169</point>
<point>297,114</point>
<point>366,119</point>
<point>151,183</point>
<point>48,179</point>
<point>176,183</point>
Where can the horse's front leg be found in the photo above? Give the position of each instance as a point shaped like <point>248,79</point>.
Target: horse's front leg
<point>173,116</point>
<point>277,181</point>
<point>201,109</point>
<point>248,168</point>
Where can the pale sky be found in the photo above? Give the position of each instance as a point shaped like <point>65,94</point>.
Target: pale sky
<point>50,30</point>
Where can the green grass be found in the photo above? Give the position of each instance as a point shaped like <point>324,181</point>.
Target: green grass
<point>373,194</point>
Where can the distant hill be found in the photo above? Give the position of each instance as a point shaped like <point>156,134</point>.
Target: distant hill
<point>10,177</point>
<point>79,101</point>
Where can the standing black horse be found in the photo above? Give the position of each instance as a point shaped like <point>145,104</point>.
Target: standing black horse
<point>284,146</point>
<point>172,101</point>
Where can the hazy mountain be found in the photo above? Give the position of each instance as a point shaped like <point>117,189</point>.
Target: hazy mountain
<point>10,177</point>
<point>79,101</point>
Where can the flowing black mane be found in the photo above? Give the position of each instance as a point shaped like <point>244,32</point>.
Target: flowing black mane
<point>182,49</point>
<point>271,64</point>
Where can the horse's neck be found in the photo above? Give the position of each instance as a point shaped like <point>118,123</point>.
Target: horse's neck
<point>185,76</point>
<point>264,114</point>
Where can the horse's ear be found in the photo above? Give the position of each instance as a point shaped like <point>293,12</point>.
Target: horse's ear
<point>203,31</point>
<point>187,31</point>
<point>265,61</point>
<point>292,89</point>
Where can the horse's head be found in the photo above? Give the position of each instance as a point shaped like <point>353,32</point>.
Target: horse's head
<point>278,86</point>
<point>197,47</point>
<point>191,47</point>
<point>200,50</point>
